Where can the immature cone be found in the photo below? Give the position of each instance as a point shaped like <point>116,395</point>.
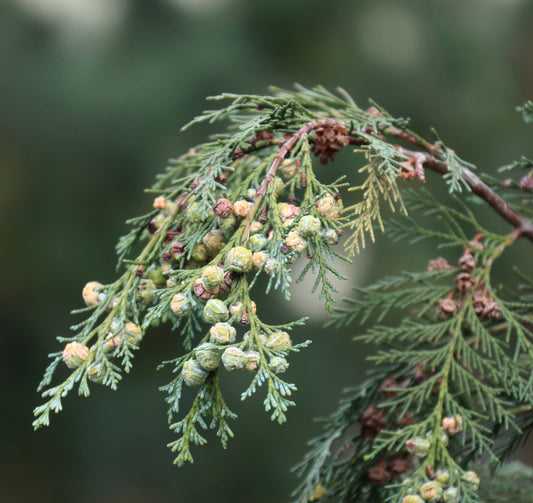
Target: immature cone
<point>472,478</point>
<point>222,333</point>
<point>169,209</point>
<point>239,259</point>
<point>336,211</point>
<point>90,295</point>
<point>324,205</point>
<point>113,337</point>
<point>278,365</point>
<point>196,212</point>
<point>257,242</point>
<point>295,241</point>
<point>452,425</point>
<point>202,292</point>
<point>212,277</point>
<point>215,310</point>
<point>112,342</point>
<point>199,252</point>
<point>227,224</point>
<point>214,240</point>
<point>276,186</point>
<point>237,308</point>
<point>287,211</point>
<point>94,373</point>
<point>146,291</point>
<point>241,208</point>
<point>279,341</point>
<point>255,226</point>
<point>252,362</point>
<point>329,207</point>
<point>319,492</point>
<point>75,354</point>
<point>234,359</point>
<point>134,333</point>
<point>208,356</point>
<point>270,266</point>
<point>193,374</point>
<point>180,305</point>
<point>443,437</point>
<point>412,498</point>
<point>156,223</point>
<point>288,168</point>
<point>331,236</point>
<point>418,445</point>
<point>450,495</point>
<point>442,476</point>
<point>258,259</point>
<point>308,226</point>
<point>431,491</point>
<point>155,274</point>
<point>160,203</point>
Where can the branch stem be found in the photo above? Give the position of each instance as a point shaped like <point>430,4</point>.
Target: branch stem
<point>522,224</point>
<point>284,151</point>
<point>434,161</point>
<point>430,158</point>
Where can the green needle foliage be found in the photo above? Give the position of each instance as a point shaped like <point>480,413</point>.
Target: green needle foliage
<point>454,376</point>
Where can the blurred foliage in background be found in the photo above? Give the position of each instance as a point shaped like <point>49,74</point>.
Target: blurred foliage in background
<point>92,96</point>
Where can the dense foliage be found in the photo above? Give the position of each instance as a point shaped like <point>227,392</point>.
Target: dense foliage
<point>452,378</point>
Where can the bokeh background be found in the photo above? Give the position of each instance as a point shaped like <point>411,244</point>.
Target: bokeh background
<point>92,96</point>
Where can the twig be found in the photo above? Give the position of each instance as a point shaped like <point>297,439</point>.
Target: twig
<point>431,159</point>
<point>522,224</point>
<point>284,151</point>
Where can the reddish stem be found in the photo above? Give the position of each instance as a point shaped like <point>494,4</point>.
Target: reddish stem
<point>283,152</point>
<point>522,224</point>
<point>431,159</point>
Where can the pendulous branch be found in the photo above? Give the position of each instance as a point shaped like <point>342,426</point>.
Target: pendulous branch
<point>522,224</point>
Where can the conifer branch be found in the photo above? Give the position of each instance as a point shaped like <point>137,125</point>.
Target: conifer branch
<point>522,224</point>
<point>433,160</point>
<point>454,375</point>
<point>283,152</point>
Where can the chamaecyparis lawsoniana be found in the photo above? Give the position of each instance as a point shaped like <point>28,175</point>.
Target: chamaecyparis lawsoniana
<point>453,379</point>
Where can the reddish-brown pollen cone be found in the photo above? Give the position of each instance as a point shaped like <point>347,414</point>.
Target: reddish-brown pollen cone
<point>372,422</point>
<point>223,208</point>
<point>329,140</point>
<point>379,474</point>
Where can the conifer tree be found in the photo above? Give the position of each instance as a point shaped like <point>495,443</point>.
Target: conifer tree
<point>453,380</point>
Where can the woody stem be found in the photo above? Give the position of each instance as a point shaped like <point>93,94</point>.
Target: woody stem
<point>283,152</point>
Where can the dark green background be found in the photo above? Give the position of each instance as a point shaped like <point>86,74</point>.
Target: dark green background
<point>89,112</point>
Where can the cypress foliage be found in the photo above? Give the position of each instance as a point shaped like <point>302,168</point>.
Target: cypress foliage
<point>453,379</point>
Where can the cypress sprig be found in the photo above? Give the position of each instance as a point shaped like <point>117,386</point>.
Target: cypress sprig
<point>462,370</point>
<point>221,217</point>
<point>454,375</point>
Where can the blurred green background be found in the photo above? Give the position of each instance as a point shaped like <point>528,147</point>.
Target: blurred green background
<point>92,96</point>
